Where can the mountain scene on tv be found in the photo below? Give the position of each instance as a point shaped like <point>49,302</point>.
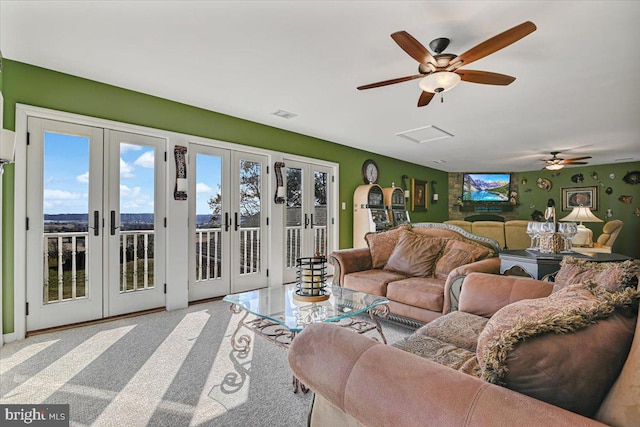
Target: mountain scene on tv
<point>486,187</point>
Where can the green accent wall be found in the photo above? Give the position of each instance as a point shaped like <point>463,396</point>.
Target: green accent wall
<point>27,84</point>
<point>627,242</point>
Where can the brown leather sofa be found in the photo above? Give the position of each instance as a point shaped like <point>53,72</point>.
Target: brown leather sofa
<point>360,382</point>
<point>415,267</point>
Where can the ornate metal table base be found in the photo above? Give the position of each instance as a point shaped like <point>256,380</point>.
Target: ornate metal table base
<point>282,336</point>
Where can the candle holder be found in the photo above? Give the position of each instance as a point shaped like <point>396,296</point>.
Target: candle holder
<point>311,284</point>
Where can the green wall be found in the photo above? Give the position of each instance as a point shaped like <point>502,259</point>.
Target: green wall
<point>627,242</point>
<point>27,84</point>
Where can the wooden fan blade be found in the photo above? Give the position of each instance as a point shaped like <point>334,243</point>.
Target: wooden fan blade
<point>494,44</point>
<point>413,47</point>
<point>577,158</point>
<point>485,77</point>
<point>425,98</point>
<point>390,82</point>
<point>573,163</point>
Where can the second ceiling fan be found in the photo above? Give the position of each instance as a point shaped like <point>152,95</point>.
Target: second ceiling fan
<point>441,72</point>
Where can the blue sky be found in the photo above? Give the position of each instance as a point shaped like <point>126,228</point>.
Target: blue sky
<point>208,171</point>
<point>66,176</point>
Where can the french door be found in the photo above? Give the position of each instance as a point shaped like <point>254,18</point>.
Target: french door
<point>307,213</point>
<point>95,210</point>
<point>228,221</point>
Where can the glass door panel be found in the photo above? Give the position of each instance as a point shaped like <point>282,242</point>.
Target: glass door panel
<point>135,232</point>
<point>307,228</point>
<point>249,221</point>
<point>64,208</point>
<point>319,223</point>
<point>293,217</point>
<point>210,223</point>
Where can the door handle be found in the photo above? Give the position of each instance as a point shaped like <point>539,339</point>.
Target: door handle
<point>96,223</point>
<point>306,221</point>
<point>237,224</point>
<point>312,224</point>
<point>227,224</point>
<point>113,223</point>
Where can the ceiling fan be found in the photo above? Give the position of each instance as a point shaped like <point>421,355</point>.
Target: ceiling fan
<point>557,163</point>
<point>441,72</point>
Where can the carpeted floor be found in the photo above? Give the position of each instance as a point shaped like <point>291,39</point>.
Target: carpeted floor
<point>161,369</point>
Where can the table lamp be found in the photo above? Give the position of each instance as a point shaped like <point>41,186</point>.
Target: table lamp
<point>584,236</point>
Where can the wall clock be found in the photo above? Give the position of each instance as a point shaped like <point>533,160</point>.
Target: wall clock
<point>370,172</point>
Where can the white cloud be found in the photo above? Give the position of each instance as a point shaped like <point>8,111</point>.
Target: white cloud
<point>128,192</point>
<point>201,187</point>
<point>133,199</point>
<point>50,195</point>
<point>84,178</point>
<point>124,147</point>
<point>126,170</point>
<point>146,160</point>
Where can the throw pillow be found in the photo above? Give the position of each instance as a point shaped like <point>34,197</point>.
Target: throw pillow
<point>566,349</point>
<point>458,253</point>
<point>415,255</point>
<point>612,276</point>
<point>381,244</point>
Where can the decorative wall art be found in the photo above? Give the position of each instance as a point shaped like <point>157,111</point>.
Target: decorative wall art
<point>279,197</point>
<point>419,195</point>
<point>180,190</point>
<point>632,177</point>
<point>544,184</point>
<point>573,197</point>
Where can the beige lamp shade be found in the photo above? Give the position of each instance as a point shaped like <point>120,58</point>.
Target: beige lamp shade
<point>584,236</point>
<point>581,214</point>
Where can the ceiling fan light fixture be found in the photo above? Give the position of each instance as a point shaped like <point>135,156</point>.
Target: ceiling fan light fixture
<point>440,81</point>
<point>554,167</point>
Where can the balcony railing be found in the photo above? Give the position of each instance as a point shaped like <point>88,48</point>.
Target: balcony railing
<point>65,269</point>
<point>294,239</point>
<point>66,272</point>
<point>209,252</point>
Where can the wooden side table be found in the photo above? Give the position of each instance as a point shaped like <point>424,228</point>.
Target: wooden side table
<point>537,265</point>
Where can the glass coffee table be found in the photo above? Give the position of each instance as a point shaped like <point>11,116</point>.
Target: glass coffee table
<point>279,316</point>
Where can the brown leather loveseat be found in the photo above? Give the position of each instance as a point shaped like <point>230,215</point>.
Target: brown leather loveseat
<point>516,353</point>
<point>415,267</point>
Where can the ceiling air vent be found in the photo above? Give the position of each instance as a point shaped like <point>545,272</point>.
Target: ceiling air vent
<point>284,114</point>
<point>425,134</point>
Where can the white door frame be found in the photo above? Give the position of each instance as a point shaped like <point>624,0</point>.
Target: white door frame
<point>222,285</point>
<point>23,112</point>
<point>45,315</point>
<point>117,302</point>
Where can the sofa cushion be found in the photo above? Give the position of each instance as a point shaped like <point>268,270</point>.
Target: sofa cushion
<point>613,276</point>
<point>491,229</point>
<point>441,352</point>
<point>381,244</point>
<point>415,255</point>
<point>566,349</point>
<point>422,292</point>
<point>371,281</point>
<point>456,328</point>
<point>457,253</point>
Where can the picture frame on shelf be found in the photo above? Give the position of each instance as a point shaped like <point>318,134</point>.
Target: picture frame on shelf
<point>419,195</point>
<point>573,197</point>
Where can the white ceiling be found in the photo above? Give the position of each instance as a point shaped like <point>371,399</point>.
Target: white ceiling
<point>577,87</point>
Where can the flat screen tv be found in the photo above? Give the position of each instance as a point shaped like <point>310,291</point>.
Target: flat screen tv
<point>486,187</point>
